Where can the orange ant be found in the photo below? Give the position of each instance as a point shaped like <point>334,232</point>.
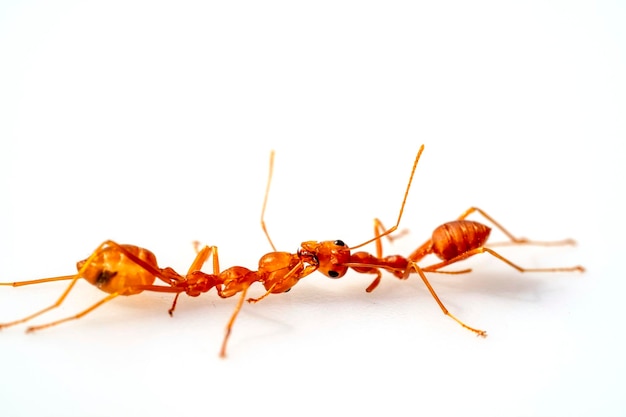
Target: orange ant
<point>129,270</point>
<point>123,270</point>
<point>452,242</point>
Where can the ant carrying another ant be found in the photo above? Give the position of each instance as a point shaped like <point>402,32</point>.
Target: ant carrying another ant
<point>121,269</point>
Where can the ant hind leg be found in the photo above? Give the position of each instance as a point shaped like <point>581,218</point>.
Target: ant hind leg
<point>513,240</point>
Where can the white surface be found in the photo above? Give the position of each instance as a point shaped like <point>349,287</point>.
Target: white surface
<point>152,124</point>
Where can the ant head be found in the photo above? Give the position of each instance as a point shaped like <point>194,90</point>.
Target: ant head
<point>330,256</point>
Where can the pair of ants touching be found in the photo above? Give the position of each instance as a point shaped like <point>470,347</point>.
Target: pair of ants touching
<point>120,269</point>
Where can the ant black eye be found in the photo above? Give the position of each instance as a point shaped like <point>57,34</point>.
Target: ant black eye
<point>333,274</point>
<point>339,243</point>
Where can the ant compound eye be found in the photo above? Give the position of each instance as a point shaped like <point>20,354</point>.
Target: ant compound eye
<point>339,243</point>
<point>333,274</point>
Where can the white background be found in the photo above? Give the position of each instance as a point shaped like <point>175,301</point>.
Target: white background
<point>151,124</point>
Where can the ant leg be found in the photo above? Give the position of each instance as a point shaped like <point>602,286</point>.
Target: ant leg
<point>514,240</point>
<point>436,267</point>
<point>132,290</point>
<point>36,281</point>
<point>406,194</point>
<point>268,292</point>
<point>415,267</point>
<point>173,307</point>
<point>267,192</point>
<point>398,273</point>
<point>76,316</point>
<point>374,283</point>
<point>229,326</point>
<point>460,271</point>
<point>201,257</point>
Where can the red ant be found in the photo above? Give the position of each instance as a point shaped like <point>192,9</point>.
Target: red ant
<point>451,242</point>
<point>129,270</point>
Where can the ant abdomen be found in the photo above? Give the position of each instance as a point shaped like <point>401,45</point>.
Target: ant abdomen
<point>457,237</point>
<point>111,270</point>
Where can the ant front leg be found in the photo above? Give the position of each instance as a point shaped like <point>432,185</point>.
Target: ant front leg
<point>513,239</point>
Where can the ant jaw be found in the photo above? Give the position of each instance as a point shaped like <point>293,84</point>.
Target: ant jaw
<point>308,257</point>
